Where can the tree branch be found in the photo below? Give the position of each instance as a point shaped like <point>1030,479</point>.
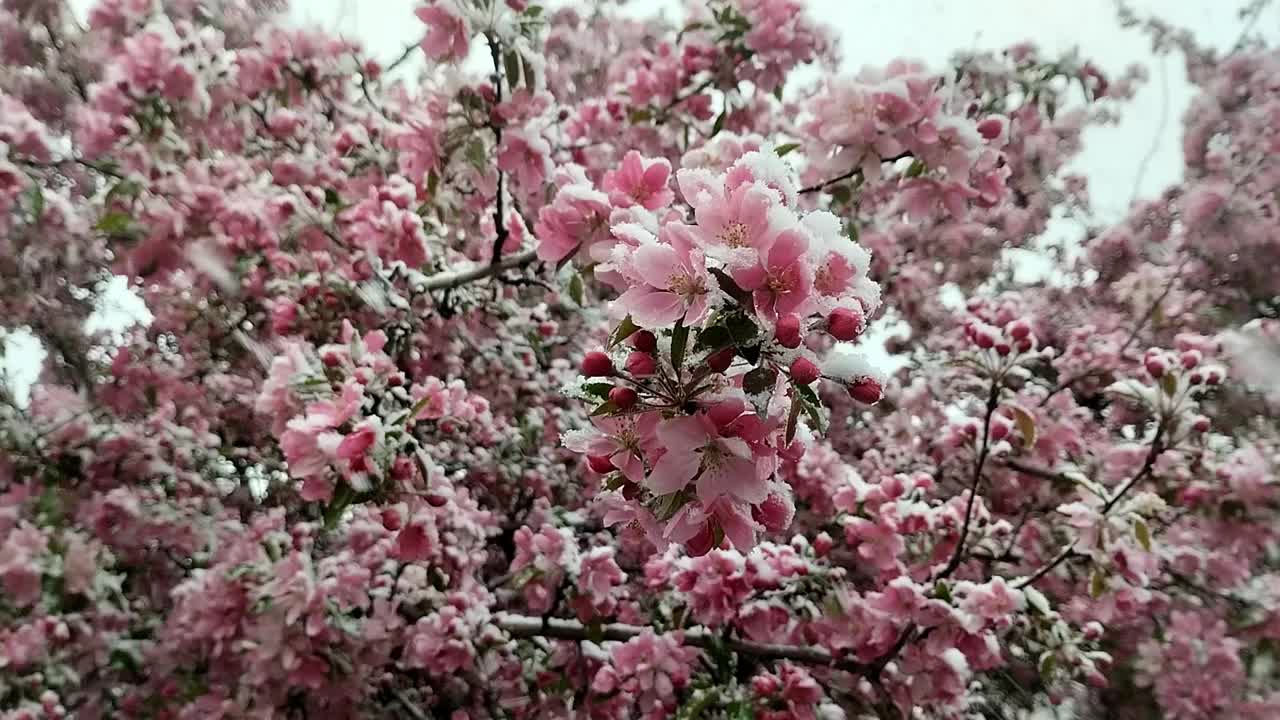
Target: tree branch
<point>450,280</point>
<point>523,626</point>
<point>993,399</point>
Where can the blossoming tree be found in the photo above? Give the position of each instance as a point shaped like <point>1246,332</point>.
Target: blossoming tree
<point>536,391</point>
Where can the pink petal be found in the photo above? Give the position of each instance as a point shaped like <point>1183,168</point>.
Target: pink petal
<point>673,471</point>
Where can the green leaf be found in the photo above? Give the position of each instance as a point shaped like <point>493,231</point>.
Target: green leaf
<point>600,390</point>
<point>1048,662</point>
<point>605,409</point>
<point>741,328</point>
<point>759,380</point>
<point>626,329</point>
<point>784,150</point>
<point>679,342</point>
<point>1097,584</point>
<point>792,416</point>
<point>916,170</point>
<point>731,288</point>
<point>1026,425</point>
<point>527,68</point>
<point>575,289</point>
<point>343,496</point>
<point>35,203</point>
<point>475,153</point>
<point>777,93</point>
<point>1169,384</point>
<point>841,193</point>
<point>533,11</point>
<point>511,63</point>
<point>1143,534</point>
<point>719,123</point>
<point>942,591</point>
<point>640,115</point>
<point>114,223</point>
<point>595,631</point>
<point>714,338</point>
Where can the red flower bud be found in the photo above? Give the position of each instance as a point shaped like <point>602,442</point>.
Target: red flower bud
<point>1191,358</point>
<point>600,463</point>
<point>803,371</point>
<point>597,364</point>
<point>823,544</point>
<point>391,519</point>
<point>1155,366</point>
<point>437,500</point>
<point>641,364</point>
<point>644,341</point>
<point>623,398</point>
<point>866,390</point>
<point>1019,329</point>
<point>846,323</point>
<point>1200,424</point>
<point>788,331</point>
<point>720,361</point>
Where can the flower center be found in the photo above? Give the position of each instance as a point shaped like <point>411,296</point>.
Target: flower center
<point>686,286</point>
<point>734,235</point>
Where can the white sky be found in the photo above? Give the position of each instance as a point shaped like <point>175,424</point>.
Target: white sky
<point>872,32</point>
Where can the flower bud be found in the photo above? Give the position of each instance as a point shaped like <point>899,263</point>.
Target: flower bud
<point>600,463</point>
<point>1018,329</point>
<point>1155,366</point>
<point>823,544</point>
<point>644,341</point>
<point>866,390</point>
<point>803,371</point>
<point>1200,424</point>
<point>641,364</point>
<point>597,364</point>
<point>391,519</point>
<point>623,398</point>
<point>846,323</point>
<point>720,361</point>
<point>788,331</point>
<point>1191,358</point>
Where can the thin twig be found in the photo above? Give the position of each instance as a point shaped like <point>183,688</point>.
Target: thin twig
<point>993,399</point>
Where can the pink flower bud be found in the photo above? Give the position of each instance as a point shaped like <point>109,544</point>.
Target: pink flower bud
<point>823,544</point>
<point>999,428</point>
<point>623,398</point>
<point>1155,366</point>
<point>1196,377</point>
<point>788,331</point>
<point>1025,344</point>
<point>983,339</point>
<point>1200,424</point>
<point>991,128</point>
<point>1191,358</point>
<point>1213,375</point>
<point>866,390</point>
<point>437,500</point>
<point>720,361</point>
<point>846,323</point>
<point>597,364</point>
<point>765,685</point>
<point>641,364</point>
<point>1019,329</point>
<point>803,371</point>
<point>1003,348</point>
<point>391,519</point>
<point>644,341</point>
<point>600,463</point>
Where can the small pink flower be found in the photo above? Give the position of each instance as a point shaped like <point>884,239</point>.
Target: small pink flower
<point>448,34</point>
<point>675,281</point>
<point>723,465</point>
<point>640,181</point>
<point>781,280</point>
<point>527,156</point>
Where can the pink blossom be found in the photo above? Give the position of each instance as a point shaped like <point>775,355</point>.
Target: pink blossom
<point>723,465</point>
<point>639,181</point>
<point>675,284</point>
<point>781,279</point>
<point>448,35</point>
